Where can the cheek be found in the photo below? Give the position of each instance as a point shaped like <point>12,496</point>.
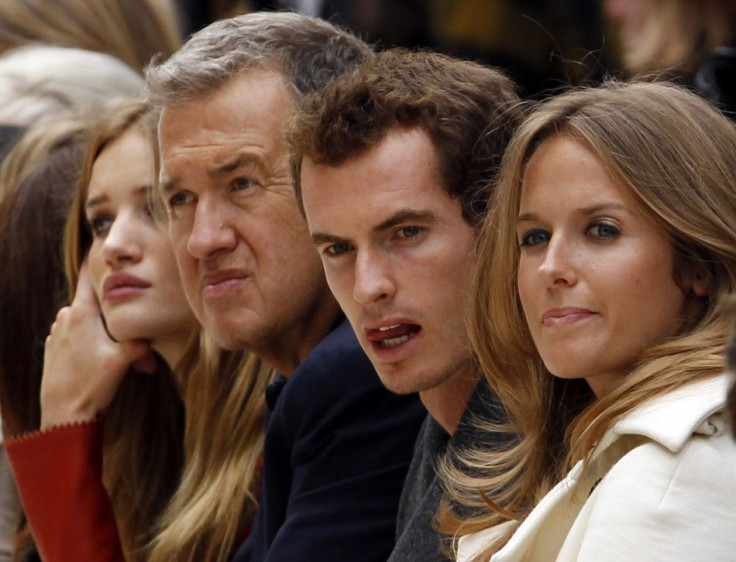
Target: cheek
<point>97,266</point>
<point>341,284</point>
<point>525,278</point>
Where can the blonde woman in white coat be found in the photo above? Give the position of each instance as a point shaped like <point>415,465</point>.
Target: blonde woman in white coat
<point>600,315</point>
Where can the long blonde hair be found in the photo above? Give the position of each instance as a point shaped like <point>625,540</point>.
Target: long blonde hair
<point>214,507</point>
<point>676,156</point>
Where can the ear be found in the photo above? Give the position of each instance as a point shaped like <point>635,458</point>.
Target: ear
<point>698,282</point>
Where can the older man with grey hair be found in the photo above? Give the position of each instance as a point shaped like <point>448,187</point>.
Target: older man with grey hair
<point>337,443</point>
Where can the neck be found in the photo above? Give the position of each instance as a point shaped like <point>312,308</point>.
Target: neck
<point>172,348</point>
<point>286,354</point>
<point>447,402</point>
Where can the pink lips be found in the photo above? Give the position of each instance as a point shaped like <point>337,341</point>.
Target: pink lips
<point>120,285</point>
<point>565,315</point>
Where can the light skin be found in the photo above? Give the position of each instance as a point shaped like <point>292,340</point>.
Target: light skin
<point>595,275</point>
<point>242,247</point>
<point>131,262</point>
<point>130,278</point>
<point>398,256</point>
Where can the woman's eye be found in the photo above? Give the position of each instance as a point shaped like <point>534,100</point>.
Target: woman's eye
<point>100,225</point>
<point>534,238</point>
<point>409,231</point>
<point>604,231</point>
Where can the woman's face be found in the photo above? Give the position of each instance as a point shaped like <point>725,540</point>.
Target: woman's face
<point>595,276</point>
<point>131,261</point>
<point>632,17</point>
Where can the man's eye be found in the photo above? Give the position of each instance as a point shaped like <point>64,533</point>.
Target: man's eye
<point>534,238</point>
<point>240,184</point>
<point>181,198</point>
<point>337,249</point>
<point>409,231</point>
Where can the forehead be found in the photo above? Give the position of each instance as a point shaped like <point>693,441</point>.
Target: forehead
<point>567,171</point>
<point>401,172</point>
<point>128,159</point>
<point>248,112</point>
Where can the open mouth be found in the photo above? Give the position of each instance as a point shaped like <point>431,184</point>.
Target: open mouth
<point>394,335</point>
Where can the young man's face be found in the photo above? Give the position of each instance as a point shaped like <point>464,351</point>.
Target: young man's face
<point>242,246</point>
<point>398,256</point>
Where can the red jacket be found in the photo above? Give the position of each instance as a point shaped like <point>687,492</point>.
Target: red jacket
<point>59,476</point>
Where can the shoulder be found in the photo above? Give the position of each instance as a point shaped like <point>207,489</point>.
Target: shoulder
<point>665,505</point>
<point>336,388</point>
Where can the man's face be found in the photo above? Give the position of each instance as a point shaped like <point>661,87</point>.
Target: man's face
<point>398,256</point>
<point>248,266</point>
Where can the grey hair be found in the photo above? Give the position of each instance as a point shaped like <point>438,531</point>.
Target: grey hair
<point>309,51</point>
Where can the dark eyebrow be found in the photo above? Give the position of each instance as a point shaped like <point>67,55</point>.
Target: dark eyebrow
<point>322,238</point>
<point>401,216</point>
<point>405,215</point>
<point>584,211</point>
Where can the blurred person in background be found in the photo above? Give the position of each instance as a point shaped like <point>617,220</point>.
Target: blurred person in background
<point>131,30</point>
<point>38,81</point>
<point>690,41</point>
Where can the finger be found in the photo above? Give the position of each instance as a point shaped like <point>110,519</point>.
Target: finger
<point>85,293</point>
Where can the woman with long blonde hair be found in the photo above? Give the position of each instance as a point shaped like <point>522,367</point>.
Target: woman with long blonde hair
<point>600,317</point>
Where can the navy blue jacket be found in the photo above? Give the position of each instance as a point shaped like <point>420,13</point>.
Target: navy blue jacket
<point>337,449</point>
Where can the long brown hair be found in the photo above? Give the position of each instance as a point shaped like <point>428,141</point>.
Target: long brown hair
<point>675,156</point>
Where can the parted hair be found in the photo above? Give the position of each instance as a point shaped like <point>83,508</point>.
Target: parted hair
<point>468,110</point>
<point>674,155</point>
<point>309,51</point>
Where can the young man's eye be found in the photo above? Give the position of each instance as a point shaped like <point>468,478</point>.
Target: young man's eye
<point>409,231</point>
<point>337,249</point>
<point>534,238</point>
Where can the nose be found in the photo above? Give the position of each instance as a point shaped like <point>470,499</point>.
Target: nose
<point>212,232</point>
<point>373,279</point>
<point>559,266</point>
<point>122,242</point>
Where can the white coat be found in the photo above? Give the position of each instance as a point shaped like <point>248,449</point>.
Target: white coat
<point>663,489</point>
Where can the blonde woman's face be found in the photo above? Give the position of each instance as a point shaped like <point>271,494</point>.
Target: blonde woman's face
<point>595,276</point>
<point>131,260</point>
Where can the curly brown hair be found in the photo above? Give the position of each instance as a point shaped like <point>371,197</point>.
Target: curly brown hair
<point>468,110</point>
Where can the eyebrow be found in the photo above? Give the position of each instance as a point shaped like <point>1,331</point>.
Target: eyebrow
<point>400,216</point>
<point>583,211</point>
<point>231,164</point>
<point>103,198</point>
